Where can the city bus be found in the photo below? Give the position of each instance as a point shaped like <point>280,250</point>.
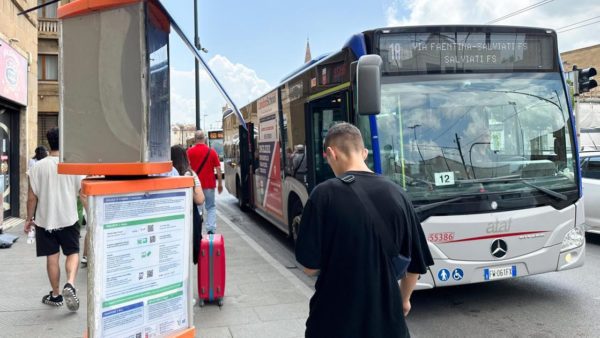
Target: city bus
<point>474,123</point>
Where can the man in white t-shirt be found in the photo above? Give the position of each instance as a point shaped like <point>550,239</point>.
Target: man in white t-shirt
<point>52,198</point>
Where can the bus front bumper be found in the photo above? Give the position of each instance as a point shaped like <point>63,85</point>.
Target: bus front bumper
<point>447,272</point>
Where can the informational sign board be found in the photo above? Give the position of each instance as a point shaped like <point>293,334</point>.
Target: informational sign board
<point>141,263</point>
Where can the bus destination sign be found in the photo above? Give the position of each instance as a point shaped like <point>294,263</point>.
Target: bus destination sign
<point>215,134</point>
<point>464,52</point>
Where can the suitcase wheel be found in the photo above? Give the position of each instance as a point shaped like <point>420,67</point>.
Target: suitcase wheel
<point>201,303</point>
<point>220,302</point>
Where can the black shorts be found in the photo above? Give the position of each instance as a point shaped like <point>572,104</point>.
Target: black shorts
<point>48,243</point>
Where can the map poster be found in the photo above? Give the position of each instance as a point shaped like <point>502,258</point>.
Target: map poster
<point>141,264</point>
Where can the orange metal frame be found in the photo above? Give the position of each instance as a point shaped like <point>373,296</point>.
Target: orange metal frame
<point>100,186</point>
<point>80,7</point>
<point>115,169</point>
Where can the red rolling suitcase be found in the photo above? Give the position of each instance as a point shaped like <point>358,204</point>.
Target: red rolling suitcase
<point>211,269</point>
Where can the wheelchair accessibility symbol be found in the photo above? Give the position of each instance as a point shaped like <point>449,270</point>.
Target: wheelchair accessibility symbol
<point>458,274</point>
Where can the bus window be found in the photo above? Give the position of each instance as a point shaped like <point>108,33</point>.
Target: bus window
<point>294,138</point>
<point>324,114</point>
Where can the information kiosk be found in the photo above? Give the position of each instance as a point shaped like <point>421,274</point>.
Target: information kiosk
<point>115,125</point>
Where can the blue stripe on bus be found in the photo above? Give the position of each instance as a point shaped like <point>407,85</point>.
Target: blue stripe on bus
<point>375,144</point>
<point>357,45</point>
<point>573,125</point>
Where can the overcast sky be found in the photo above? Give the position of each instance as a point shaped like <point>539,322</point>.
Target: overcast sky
<point>253,44</point>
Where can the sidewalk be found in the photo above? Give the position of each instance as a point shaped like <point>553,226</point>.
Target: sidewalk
<point>262,298</point>
<point>23,283</point>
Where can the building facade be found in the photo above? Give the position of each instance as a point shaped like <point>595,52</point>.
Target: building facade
<point>182,134</point>
<point>49,72</point>
<point>18,103</point>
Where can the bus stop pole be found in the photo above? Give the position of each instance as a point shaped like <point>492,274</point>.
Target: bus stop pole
<point>197,64</point>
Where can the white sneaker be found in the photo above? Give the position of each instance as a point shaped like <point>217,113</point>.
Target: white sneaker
<point>83,259</point>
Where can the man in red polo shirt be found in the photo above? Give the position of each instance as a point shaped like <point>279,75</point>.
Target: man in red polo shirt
<point>204,161</point>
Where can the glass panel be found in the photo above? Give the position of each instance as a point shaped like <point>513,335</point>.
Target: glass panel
<point>591,168</point>
<point>294,138</point>
<point>157,39</point>
<point>51,10</point>
<point>51,63</point>
<point>470,131</point>
<point>5,158</point>
<point>324,117</point>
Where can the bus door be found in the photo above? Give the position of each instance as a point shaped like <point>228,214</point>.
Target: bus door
<point>323,113</point>
<point>247,150</point>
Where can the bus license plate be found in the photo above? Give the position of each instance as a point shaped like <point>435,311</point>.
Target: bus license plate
<point>500,272</point>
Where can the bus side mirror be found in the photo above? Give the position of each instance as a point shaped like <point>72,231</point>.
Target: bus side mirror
<point>368,85</point>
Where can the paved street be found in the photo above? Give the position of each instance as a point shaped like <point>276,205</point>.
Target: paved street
<point>564,304</point>
<point>267,295</point>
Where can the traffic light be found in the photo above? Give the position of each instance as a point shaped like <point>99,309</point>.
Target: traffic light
<point>584,79</point>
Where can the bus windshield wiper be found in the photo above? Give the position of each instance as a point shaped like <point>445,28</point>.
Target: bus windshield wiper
<point>433,205</point>
<point>547,191</point>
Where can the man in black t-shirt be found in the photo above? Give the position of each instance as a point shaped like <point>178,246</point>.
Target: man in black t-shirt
<point>357,294</point>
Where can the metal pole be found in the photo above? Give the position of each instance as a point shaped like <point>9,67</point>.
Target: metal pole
<point>197,64</point>
<point>204,65</point>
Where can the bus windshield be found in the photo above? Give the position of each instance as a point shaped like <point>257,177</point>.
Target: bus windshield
<point>448,135</point>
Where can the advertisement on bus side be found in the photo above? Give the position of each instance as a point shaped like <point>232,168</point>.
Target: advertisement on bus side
<point>268,177</point>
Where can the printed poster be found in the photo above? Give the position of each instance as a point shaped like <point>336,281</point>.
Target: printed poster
<point>268,175</point>
<point>142,264</point>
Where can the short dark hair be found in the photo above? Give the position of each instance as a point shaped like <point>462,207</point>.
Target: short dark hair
<point>52,136</point>
<point>40,153</point>
<point>344,136</point>
<point>180,159</point>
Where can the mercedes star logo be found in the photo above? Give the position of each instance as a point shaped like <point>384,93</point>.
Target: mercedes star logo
<point>499,248</point>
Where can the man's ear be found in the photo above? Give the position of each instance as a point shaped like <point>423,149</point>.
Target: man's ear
<point>365,153</point>
<point>331,153</point>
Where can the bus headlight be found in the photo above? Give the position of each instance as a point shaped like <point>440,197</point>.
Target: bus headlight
<point>573,239</point>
